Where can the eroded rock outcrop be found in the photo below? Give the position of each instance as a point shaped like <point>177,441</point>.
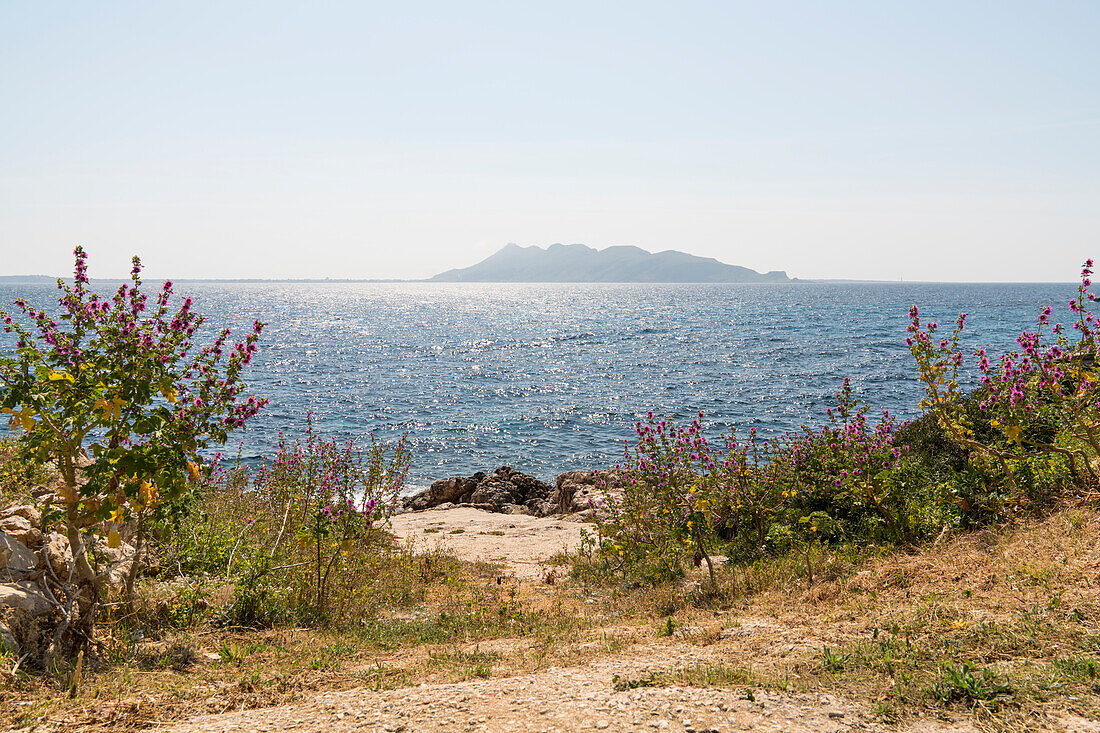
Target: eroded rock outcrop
<point>584,492</point>
<point>579,493</point>
<point>504,490</point>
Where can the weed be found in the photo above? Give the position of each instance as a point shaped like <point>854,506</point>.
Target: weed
<point>966,683</point>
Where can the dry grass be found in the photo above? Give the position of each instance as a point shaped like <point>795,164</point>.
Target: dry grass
<point>466,622</point>
<point>1020,606</point>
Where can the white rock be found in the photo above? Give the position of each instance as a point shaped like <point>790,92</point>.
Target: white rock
<point>20,528</point>
<point>23,597</point>
<point>56,554</point>
<point>14,555</point>
<point>28,512</point>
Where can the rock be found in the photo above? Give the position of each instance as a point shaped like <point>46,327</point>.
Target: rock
<point>443,507</point>
<point>579,491</point>
<point>453,490</point>
<point>15,557</point>
<point>27,618</point>
<point>508,486</point>
<point>42,493</point>
<point>543,507</point>
<point>23,598</point>
<point>119,558</point>
<point>496,492</point>
<point>8,642</point>
<point>28,512</point>
<point>20,528</point>
<point>55,555</point>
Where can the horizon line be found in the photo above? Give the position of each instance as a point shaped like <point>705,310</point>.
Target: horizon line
<point>320,280</point>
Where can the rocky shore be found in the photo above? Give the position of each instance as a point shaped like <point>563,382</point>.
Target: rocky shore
<point>577,494</point>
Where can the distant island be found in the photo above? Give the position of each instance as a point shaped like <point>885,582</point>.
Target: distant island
<point>622,264</point>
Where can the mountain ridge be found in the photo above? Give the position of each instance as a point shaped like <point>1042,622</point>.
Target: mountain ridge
<point>618,263</point>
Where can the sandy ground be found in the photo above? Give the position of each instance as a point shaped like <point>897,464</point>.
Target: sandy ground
<point>517,542</point>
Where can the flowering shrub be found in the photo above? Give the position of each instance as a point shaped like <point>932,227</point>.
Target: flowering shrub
<point>844,469</point>
<point>329,499</point>
<point>749,496</point>
<point>668,506</point>
<point>298,533</point>
<point>115,392</point>
<point>1041,398</point>
<point>843,482</point>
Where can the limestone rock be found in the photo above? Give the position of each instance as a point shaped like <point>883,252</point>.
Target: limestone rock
<point>28,512</point>
<point>20,528</point>
<point>498,491</point>
<point>494,493</point>
<point>56,556</point>
<point>15,557</point>
<point>119,558</point>
<point>454,490</point>
<point>23,598</point>
<point>580,491</point>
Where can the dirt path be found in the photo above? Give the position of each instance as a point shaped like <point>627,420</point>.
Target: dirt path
<point>517,542</point>
<point>583,695</point>
<point>559,699</point>
<point>556,698</point>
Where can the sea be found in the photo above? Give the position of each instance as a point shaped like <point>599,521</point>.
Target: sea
<point>553,377</point>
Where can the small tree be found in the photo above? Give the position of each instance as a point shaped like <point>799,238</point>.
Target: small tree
<point>116,393</point>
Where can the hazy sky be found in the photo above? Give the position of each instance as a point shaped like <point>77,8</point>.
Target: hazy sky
<point>931,140</point>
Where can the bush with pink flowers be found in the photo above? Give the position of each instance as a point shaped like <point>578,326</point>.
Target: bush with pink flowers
<point>116,393</point>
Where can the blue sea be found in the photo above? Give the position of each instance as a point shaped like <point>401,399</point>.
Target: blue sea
<point>547,378</point>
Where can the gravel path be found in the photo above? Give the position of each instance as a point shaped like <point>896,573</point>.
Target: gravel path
<point>552,700</point>
<point>561,699</point>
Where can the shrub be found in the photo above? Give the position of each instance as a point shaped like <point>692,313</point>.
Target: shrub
<point>120,399</point>
<point>669,504</point>
<point>300,535</point>
<point>1042,399</point>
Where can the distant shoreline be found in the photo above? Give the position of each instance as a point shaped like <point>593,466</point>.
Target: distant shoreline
<point>50,280</point>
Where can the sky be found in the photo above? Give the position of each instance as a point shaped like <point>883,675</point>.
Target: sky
<point>950,141</point>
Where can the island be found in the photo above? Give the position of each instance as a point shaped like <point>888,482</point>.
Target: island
<point>620,264</point>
